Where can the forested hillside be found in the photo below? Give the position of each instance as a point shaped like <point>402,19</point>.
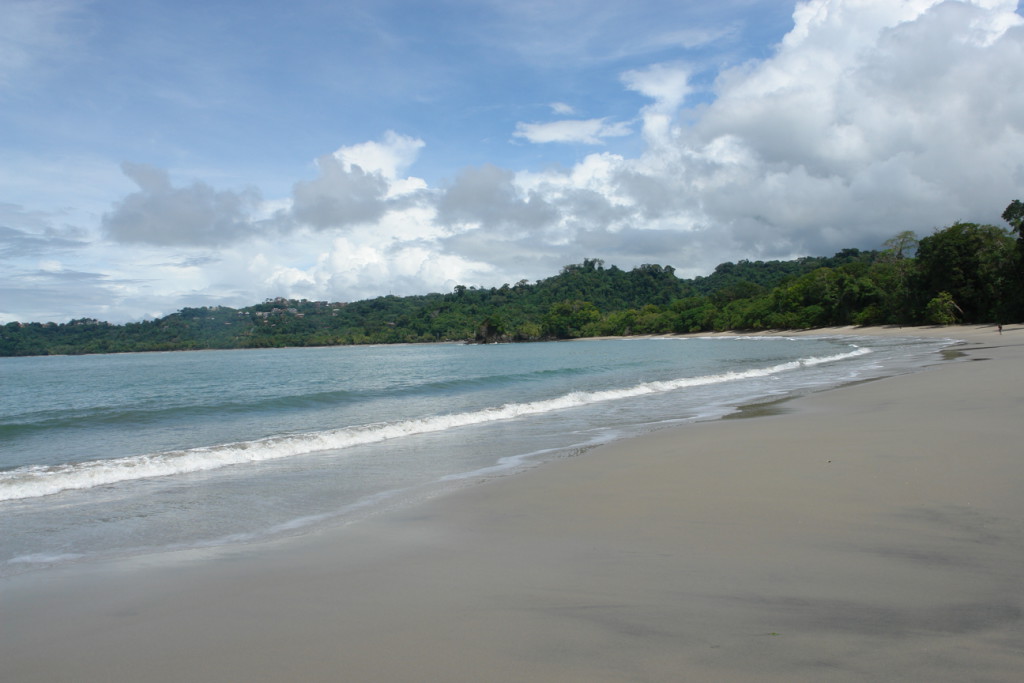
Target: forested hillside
<point>965,273</point>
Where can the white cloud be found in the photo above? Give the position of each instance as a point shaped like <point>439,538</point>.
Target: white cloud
<point>342,195</point>
<point>359,184</point>
<point>489,197</point>
<point>162,214</point>
<point>870,117</point>
<point>390,157</point>
<point>668,85</point>
<point>588,132</point>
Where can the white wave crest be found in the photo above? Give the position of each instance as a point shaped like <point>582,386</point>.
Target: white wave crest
<point>35,481</point>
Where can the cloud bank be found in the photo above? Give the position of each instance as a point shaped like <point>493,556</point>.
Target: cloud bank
<point>870,117</point>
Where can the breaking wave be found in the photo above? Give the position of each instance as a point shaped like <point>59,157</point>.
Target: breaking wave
<point>36,481</point>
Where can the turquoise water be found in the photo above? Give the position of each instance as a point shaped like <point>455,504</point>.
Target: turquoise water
<point>134,453</point>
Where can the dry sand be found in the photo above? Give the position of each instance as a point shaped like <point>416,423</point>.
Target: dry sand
<point>869,533</point>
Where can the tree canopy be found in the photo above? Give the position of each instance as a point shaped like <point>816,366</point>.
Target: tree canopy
<point>964,273</point>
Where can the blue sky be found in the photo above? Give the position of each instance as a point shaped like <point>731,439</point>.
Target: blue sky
<point>157,154</point>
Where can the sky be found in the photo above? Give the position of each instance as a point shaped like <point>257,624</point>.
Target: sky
<point>158,154</point>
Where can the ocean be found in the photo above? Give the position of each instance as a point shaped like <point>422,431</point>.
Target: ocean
<point>119,455</point>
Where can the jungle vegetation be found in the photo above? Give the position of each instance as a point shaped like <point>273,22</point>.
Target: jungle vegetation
<point>964,273</point>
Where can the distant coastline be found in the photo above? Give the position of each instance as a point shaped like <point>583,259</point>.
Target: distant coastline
<point>963,274</point>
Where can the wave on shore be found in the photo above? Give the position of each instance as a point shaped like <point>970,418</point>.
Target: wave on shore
<point>36,481</point>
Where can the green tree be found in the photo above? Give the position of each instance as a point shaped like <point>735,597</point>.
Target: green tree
<point>1014,215</point>
<point>893,274</point>
<point>567,319</point>
<point>974,265</point>
<point>942,310</point>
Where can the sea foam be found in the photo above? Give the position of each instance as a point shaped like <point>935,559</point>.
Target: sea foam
<point>36,481</point>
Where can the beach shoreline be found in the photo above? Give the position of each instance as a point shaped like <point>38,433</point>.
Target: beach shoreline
<point>871,532</point>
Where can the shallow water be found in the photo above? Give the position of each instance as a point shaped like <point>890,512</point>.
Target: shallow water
<point>131,453</point>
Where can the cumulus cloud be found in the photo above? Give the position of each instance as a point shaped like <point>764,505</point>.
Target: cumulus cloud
<point>161,214</point>
<point>588,131</point>
<point>668,86</point>
<point>870,117</point>
<point>358,184</point>
<point>390,157</point>
<point>354,269</point>
<point>342,195</point>
<point>489,196</point>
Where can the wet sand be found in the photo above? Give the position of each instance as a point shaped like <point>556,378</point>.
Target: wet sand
<point>869,533</point>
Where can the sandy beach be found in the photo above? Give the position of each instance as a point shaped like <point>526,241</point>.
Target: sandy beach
<point>873,532</point>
